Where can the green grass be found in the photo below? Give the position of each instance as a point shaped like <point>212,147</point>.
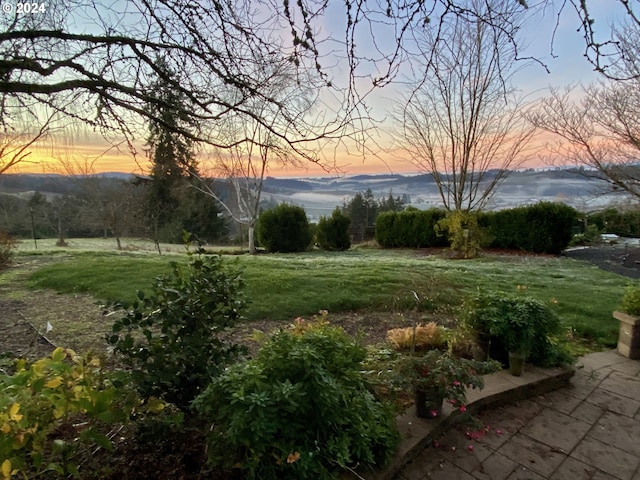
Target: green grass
<point>285,286</point>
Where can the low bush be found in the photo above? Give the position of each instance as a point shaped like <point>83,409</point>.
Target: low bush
<point>173,339</point>
<point>519,323</point>
<point>466,236</point>
<point>631,300</point>
<point>56,412</point>
<point>430,335</point>
<point>300,410</point>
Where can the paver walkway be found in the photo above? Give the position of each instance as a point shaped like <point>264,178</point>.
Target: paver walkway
<point>588,430</point>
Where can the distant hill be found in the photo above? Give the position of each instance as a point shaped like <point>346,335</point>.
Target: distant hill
<point>320,195</point>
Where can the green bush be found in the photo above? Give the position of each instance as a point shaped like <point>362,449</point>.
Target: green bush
<point>622,223</point>
<point>464,233</point>
<point>284,229</point>
<point>333,233</point>
<point>520,324</point>
<point>300,410</point>
<point>631,300</point>
<point>55,412</point>
<point>173,339</point>
<point>542,228</point>
<point>410,228</point>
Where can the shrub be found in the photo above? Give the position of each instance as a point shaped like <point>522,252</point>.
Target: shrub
<point>621,223</point>
<point>51,413</point>
<point>631,300</point>
<point>333,233</point>
<point>519,323</point>
<point>300,410</point>
<point>7,246</point>
<point>410,228</point>
<point>284,229</point>
<point>464,233</point>
<point>172,339</point>
<point>542,228</point>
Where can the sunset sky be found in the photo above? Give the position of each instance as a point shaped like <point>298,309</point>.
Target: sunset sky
<point>567,68</point>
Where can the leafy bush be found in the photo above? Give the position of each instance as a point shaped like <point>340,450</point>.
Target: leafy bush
<point>300,410</point>
<point>51,413</point>
<point>172,339</point>
<point>622,223</point>
<point>284,229</point>
<point>333,233</point>
<point>464,233</point>
<point>631,300</point>
<point>410,228</point>
<point>7,246</point>
<point>519,323</point>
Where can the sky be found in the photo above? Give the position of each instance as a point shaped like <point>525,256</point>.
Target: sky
<point>568,67</point>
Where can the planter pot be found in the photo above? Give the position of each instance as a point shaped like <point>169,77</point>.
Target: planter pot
<point>629,337</point>
<point>428,403</point>
<point>516,363</point>
<point>480,350</point>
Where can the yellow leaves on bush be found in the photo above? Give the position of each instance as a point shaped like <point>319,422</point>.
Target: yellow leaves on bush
<point>7,471</point>
<point>55,382</point>
<point>13,412</point>
<point>426,336</point>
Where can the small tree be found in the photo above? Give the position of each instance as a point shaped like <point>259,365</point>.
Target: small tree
<point>333,233</point>
<point>284,229</point>
<point>182,347</point>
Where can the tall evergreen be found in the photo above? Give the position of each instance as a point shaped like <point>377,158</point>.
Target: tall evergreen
<point>172,154</point>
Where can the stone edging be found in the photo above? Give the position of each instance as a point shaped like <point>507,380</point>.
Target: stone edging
<point>500,388</point>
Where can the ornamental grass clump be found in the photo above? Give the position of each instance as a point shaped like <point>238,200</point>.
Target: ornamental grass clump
<point>430,335</point>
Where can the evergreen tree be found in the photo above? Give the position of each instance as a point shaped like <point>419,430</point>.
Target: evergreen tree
<point>171,152</point>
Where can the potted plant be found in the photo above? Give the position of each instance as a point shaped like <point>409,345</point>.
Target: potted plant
<point>439,375</point>
<point>629,318</point>
<point>525,325</point>
<point>478,318</point>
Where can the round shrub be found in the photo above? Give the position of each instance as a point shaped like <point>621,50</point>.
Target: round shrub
<point>333,233</point>
<point>300,410</point>
<point>284,229</point>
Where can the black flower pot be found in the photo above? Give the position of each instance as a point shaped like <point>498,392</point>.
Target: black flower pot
<point>428,403</point>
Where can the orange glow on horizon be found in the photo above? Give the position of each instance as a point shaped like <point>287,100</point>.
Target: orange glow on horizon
<point>94,158</point>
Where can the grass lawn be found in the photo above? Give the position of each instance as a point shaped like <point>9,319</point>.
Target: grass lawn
<point>286,286</point>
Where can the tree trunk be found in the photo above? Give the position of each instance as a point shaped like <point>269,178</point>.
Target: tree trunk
<point>252,240</point>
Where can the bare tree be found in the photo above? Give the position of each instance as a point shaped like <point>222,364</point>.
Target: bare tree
<point>613,54</point>
<point>255,148</point>
<point>21,131</point>
<point>598,127</point>
<point>599,132</point>
<point>106,57</point>
<point>462,122</point>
